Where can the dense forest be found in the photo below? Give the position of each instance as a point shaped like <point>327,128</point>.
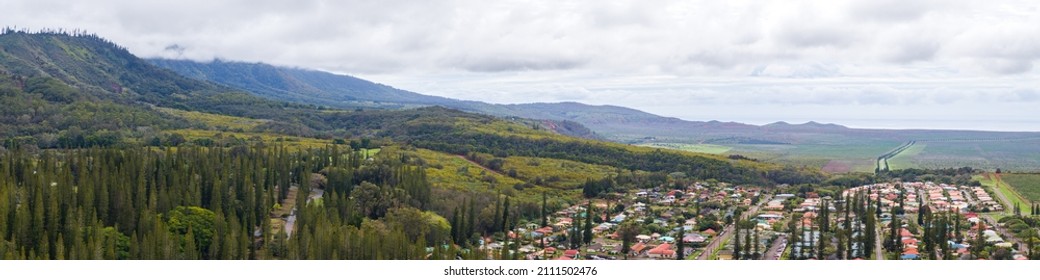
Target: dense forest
<point>202,203</point>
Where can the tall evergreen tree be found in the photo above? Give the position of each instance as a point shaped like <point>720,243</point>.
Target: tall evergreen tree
<point>840,248</point>
<point>471,219</point>
<point>980,240</point>
<point>736,242</point>
<point>893,242</point>
<point>920,213</point>
<point>870,234</point>
<point>877,209</point>
<point>545,213</point>
<point>757,250</point>
<point>747,246</point>
<point>680,249</point>
<point>1031,247</point>
<point>497,223</point>
<point>455,233</point>
<point>506,225</point>
<point>587,234</point>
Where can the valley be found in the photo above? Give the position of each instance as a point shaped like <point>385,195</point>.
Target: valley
<point>106,155</point>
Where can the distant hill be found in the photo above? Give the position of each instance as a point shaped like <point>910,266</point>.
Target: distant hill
<point>343,91</point>
<point>93,65</point>
<point>612,122</point>
<point>811,143</point>
<point>301,85</point>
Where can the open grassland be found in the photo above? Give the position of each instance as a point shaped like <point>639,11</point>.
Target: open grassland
<point>507,128</point>
<point>1009,155</point>
<point>556,173</point>
<point>696,148</point>
<point>903,160</point>
<point>1022,155</point>
<point>453,172</point>
<point>219,122</point>
<point>1026,184</point>
<point>842,157</point>
<point>268,138</point>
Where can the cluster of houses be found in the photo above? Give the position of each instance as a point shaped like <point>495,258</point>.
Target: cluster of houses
<point>662,208</point>
<point>938,197</point>
<point>985,201</point>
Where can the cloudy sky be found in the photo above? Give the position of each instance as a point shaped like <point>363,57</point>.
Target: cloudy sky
<point>874,63</point>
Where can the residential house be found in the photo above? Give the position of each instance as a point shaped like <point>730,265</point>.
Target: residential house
<point>662,251</point>
<point>637,249</point>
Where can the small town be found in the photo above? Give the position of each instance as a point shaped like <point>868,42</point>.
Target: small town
<point>719,221</point>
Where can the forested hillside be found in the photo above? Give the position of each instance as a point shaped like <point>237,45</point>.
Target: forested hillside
<point>104,156</point>
<point>199,203</point>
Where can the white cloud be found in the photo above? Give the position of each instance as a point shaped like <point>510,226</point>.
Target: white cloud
<point>648,54</point>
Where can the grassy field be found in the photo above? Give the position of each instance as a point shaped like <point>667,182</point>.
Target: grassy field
<point>696,148</point>
<point>1010,155</point>
<point>1026,184</point>
<point>903,159</point>
<point>275,139</point>
<point>216,121</point>
<point>857,156</point>
<point>838,154</point>
<point>453,172</point>
<point>563,173</point>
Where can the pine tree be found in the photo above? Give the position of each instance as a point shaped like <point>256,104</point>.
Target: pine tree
<point>980,240</point>
<point>1031,247</point>
<point>545,214</point>
<point>825,217</point>
<point>587,235</point>
<point>840,249</point>
<point>757,250</point>
<point>920,213</point>
<point>893,241</point>
<point>506,255</point>
<point>497,225</point>
<point>736,242</point>
<point>191,251</point>
<point>680,249</point>
<point>877,210</point>
<point>506,225</point>
<point>455,225</point>
<point>471,220</point>
<point>793,228</point>
<point>747,246</point>
<point>812,243</point>
<point>870,234</point>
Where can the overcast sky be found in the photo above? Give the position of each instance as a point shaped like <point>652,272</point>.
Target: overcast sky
<point>875,63</point>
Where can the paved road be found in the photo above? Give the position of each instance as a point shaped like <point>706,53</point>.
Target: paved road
<point>776,249</point>
<point>879,251</point>
<point>728,231</point>
<point>1007,235</point>
<point>715,243</point>
<point>1009,207</point>
<point>290,222</point>
<point>1009,210</point>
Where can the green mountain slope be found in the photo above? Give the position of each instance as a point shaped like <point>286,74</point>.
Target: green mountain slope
<point>838,148</point>
<point>300,85</point>
<point>83,64</point>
